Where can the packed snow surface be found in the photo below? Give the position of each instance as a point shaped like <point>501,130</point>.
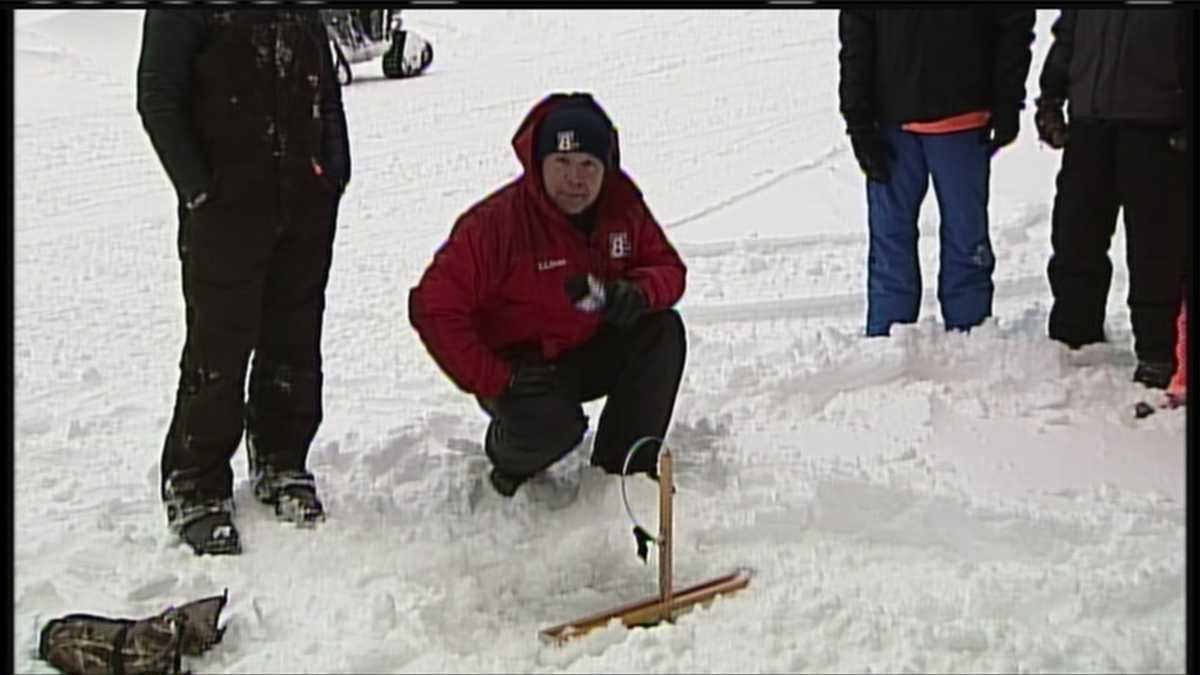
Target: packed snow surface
<point>931,502</point>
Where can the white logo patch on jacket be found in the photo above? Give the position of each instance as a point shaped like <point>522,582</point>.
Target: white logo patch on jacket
<point>545,265</point>
<point>618,245</point>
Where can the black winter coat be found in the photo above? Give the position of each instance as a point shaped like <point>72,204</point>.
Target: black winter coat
<point>250,94</point>
<point>1122,64</point>
<point>917,65</point>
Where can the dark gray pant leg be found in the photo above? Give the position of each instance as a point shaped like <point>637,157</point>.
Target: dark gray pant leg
<point>1081,229</point>
<point>639,370</point>
<point>284,407</point>
<point>224,249</point>
<point>529,433</point>
<point>1152,181</point>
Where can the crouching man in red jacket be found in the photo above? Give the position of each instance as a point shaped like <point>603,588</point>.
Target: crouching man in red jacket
<point>555,290</point>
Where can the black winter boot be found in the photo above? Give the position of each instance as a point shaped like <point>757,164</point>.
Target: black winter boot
<point>292,493</point>
<point>1154,374</point>
<point>204,522</point>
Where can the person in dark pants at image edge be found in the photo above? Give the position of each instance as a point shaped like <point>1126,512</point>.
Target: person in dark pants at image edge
<point>555,290</point>
<point>924,92</point>
<point>1126,77</point>
<point>246,116</point>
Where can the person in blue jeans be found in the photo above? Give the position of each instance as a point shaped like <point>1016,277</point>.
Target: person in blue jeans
<point>931,92</point>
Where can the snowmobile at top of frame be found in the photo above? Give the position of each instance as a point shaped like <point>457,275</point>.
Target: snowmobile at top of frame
<point>361,35</point>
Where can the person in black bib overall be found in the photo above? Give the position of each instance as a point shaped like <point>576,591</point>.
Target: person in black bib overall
<point>245,114</point>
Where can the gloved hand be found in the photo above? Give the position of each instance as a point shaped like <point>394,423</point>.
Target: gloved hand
<point>196,201</point>
<point>872,153</point>
<point>531,378</point>
<point>1002,128</point>
<point>1051,122</point>
<point>585,292</point>
<point>624,303</point>
<point>1179,140</point>
<point>339,185</point>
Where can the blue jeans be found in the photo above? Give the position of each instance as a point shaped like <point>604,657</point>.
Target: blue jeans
<point>960,165</point>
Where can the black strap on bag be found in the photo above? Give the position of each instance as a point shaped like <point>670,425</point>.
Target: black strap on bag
<point>116,660</point>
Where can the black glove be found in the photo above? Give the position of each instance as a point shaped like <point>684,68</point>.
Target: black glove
<point>624,303</point>
<point>585,292</point>
<point>196,201</point>
<point>333,178</point>
<point>1002,128</point>
<point>200,196</point>
<point>1051,122</point>
<point>1179,140</point>
<point>531,378</point>
<point>872,153</point>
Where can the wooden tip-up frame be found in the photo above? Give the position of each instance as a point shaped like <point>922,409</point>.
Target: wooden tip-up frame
<point>669,602</point>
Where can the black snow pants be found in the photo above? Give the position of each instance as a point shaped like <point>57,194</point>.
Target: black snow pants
<point>256,261</point>
<point>639,369</point>
<point>1109,166</point>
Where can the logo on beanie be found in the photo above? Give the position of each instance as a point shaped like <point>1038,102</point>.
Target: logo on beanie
<point>618,245</point>
<point>567,142</point>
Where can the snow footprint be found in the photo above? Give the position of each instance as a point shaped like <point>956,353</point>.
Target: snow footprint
<point>156,587</point>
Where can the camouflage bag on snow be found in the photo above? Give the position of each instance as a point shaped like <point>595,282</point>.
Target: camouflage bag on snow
<point>87,644</point>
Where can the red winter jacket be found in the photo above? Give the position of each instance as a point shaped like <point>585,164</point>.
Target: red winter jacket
<point>498,282</point>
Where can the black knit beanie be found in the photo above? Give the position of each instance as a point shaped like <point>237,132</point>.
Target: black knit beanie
<point>574,128</point>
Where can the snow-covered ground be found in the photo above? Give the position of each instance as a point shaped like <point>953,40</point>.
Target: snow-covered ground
<point>927,503</point>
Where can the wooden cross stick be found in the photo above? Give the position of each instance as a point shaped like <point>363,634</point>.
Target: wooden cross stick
<point>669,602</point>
